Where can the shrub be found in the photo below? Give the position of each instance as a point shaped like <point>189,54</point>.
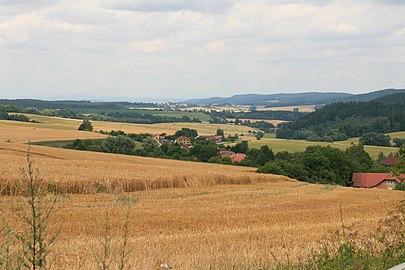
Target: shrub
<point>86,125</point>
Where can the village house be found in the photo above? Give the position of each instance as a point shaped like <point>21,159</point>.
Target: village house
<point>237,158</point>
<point>376,180</point>
<point>159,137</point>
<point>225,153</point>
<point>213,138</point>
<point>184,141</point>
<point>390,160</point>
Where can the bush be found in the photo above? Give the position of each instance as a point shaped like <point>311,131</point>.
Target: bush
<point>119,145</point>
<point>377,139</point>
<point>86,125</point>
<point>400,186</point>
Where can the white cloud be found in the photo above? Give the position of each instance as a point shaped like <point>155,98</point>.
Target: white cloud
<point>149,46</point>
<point>170,47</point>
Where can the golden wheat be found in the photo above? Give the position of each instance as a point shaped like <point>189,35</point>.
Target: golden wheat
<point>188,215</point>
<point>217,226</point>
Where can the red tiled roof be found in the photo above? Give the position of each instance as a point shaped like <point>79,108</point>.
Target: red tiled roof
<point>237,157</point>
<point>368,180</point>
<point>226,153</point>
<point>183,138</point>
<point>390,160</point>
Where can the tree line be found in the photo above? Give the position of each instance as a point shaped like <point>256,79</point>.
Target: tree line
<point>339,121</point>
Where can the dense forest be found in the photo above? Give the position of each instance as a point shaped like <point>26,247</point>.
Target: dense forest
<point>340,121</point>
<point>264,115</point>
<point>72,104</point>
<point>126,116</point>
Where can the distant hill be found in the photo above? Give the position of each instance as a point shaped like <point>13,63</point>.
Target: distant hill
<point>394,98</point>
<point>373,95</point>
<point>308,98</point>
<point>273,100</point>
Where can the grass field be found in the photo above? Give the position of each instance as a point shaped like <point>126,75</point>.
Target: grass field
<point>56,123</point>
<point>278,145</point>
<point>189,215</point>
<point>400,135</point>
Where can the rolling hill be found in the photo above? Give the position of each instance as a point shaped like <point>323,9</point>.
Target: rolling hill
<point>273,100</point>
<point>283,99</point>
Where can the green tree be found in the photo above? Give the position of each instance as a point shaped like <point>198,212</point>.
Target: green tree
<point>220,132</point>
<point>86,125</point>
<point>377,139</point>
<point>241,147</point>
<point>204,150</point>
<point>259,135</point>
<point>398,142</point>
<point>151,147</point>
<point>191,133</point>
<point>119,145</point>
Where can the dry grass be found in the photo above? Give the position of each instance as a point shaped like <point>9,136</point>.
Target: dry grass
<point>218,226</point>
<point>12,133</point>
<point>76,172</point>
<point>197,221</point>
<point>56,123</point>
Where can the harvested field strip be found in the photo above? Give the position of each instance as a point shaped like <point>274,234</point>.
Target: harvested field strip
<point>75,172</point>
<point>219,226</point>
<point>56,123</point>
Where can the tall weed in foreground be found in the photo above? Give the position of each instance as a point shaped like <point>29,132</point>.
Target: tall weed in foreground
<point>27,247</point>
<point>382,249</point>
<point>108,255</point>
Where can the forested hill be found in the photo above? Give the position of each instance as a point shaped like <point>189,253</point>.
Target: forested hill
<point>272,100</point>
<point>294,99</point>
<point>338,121</point>
<point>394,98</point>
<point>72,104</point>
<point>373,96</point>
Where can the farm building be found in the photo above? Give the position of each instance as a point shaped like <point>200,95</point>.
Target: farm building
<point>184,141</point>
<point>390,160</point>
<point>226,153</point>
<point>376,180</point>
<point>213,138</point>
<point>237,158</point>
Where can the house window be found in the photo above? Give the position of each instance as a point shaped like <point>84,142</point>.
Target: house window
<point>390,182</point>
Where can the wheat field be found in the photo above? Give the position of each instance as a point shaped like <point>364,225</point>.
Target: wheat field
<point>188,215</point>
<point>57,123</point>
<point>216,227</point>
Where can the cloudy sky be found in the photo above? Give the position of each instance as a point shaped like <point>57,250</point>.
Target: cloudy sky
<point>198,48</point>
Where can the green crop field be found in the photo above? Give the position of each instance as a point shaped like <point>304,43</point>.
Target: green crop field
<point>278,145</point>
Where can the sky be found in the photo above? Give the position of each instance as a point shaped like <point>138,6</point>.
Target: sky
<point>166,49</point>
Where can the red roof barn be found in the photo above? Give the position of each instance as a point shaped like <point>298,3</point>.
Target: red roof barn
<point>390,160</point>
<point>226,153</point>
<point>376,180</point>
<point>236,158</point>
<point>184,141</point>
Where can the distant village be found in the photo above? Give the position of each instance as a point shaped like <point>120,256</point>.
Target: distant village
<point>186,143</point>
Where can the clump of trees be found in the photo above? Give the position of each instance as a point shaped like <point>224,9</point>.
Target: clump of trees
<point>4,115</point>
<point>86,125</point>
<point>377,139</point>
<point>119,144</point>
<point>398,142</point>
<point>319,164</point>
